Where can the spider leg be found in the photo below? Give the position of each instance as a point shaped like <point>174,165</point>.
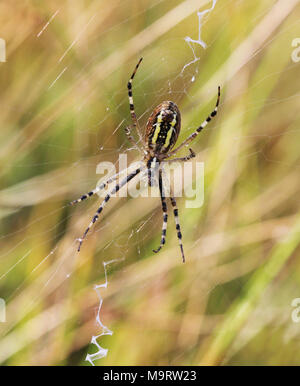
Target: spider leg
<point>200,128</point>
<point>106,199</point>
<point>131,105</point>
<point>151,170</point>
<point>165,213</point>
<point>96,190</point>
<point>183,159</point>
<point>179,235</point>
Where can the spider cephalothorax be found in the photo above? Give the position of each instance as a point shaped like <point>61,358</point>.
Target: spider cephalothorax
<point>160,137</point>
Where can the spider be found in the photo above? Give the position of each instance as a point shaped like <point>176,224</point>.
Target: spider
<point>162,131</point>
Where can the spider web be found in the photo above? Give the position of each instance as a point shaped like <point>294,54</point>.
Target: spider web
<point>48,270</point>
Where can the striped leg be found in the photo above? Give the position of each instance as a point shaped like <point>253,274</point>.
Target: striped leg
<point>200,128</point>
<point>106,199</point>
<point>131,105</point>
<point>165,213</point>
<point>179,235</point>
<point>96,190</point>
<point>183,159</point>
<point>152,165</point>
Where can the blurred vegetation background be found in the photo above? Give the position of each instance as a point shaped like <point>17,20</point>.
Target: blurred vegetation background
<point>64,108</point>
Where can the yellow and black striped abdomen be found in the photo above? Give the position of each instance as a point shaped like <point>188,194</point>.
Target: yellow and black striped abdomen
<point>163,127</point>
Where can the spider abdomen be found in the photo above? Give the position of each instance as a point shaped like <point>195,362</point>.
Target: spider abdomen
<point>163,127</point>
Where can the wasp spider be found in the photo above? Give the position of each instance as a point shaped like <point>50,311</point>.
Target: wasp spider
<point>161,134</point>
